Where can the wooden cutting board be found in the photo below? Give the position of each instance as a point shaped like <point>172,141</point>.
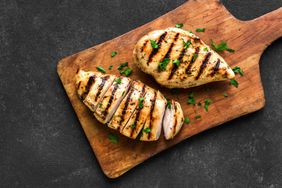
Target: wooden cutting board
<point>248,38</point>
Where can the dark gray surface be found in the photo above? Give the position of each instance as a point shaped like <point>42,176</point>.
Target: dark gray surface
<point>41,141</point>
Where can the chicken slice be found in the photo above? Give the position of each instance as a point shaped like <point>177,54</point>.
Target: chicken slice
<point>137,120</point>
<point>127,106</point>
<point>173,120</point>
<point>153,125</point>
<point>180,59</point>
<point>111,100</point>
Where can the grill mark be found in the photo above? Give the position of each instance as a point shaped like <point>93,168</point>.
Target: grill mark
<point>151,113</point>
<point>125,106</point>
<point>104,79</point>
<point>144,45</point>
<point>215,69</point>
<point>188,71</point>
<point>175,122</point>
<point>203,66</point>
<point>155,50</point>
<point>138,113</point>
<point>78,85</point>
<point>105,112</point>
<point>89,84</point>
<point>175,67</point>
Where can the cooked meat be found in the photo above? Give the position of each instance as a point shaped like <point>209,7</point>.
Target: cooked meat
<point>153,125</point>
<point>128,106</point>
<point>111,100</point>
<point>137,120</point>
<point>173,120</point>
<point>180,59</point>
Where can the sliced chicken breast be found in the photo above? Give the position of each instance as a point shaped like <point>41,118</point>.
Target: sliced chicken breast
<point>180,59</point>
<point>98,90</point>
<point>153,125</point>
<point>173,120</point>
<point>127,106</point>
<point>111,100</point>
<point>137,120</point>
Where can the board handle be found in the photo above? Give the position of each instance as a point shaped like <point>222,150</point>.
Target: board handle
<point>268,27</point>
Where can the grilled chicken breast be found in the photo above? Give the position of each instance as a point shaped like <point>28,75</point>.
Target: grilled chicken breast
<point>128,106</point>
<point>179,59</point>
<point>173,120</point>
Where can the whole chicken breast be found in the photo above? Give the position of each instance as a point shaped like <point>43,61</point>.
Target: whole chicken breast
<point>179,59</point>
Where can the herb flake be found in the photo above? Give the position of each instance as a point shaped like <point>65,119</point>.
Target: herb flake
<point>147,130</point>
<point>200,30</point>
<point>121,66</point>
<point>176,62</point>
<point>163,64</point>
<point>187,120</point>
<point>234,83</point>
<point>126,71</point>
<point>118,80</point>
<point>191,99</point>
<point>140,102</point>
<point>101,69</point>
<point>222,46</point>
<point>238,70</point>
<point>113,54</point>
<point>186,44</point>
<point>179,25</point>
<point>113,138</point>
<point>207,103</point>
<point>154,44</point>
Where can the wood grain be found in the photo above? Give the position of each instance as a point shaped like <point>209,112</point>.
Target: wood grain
<point>248,38</point>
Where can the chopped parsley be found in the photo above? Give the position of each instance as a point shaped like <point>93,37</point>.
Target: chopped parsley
<point>110,67</point>
<point>234,83</point>
<point>238,70</point>
<point>206,49</point>
<point>179,25</point>
<point>176,62</point>
<point>198,117</point>
<point>118,80</point>
<point>133,125</point>
<point>191,99</point>
<point>121,66</point>
<point>140,102</point>
<point>186,44</point>
<point>154,44</point>
<point>113,54</point>
<point>200,30</point>
<point>126,71</point>
<point>199,104</point>
<point>147,130</point>
<point>113,138</point>
<point>187,120</point>
<point>163,64</point>
<point>225,94</point>
<point>207,103</point>
<point>100,104</point>
<point>168,104</point>
<point>221,47</point>
<point>195,56</point>
<point>101,69</point>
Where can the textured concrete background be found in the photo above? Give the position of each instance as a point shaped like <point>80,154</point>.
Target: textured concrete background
<point>41,141</point>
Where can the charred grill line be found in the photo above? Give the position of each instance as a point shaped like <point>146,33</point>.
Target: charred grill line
<point>104,79</point>
<point>151,113</point>
<point>175,122</point>
<point>145,44</point>
<point>125,106</point>
<point>89,84</point>
<point>110,100</point>
<point>175,67</point>
<point>188,71</point>
<point>155,50</point>
<point>203,66</point>
<point>216,67</point>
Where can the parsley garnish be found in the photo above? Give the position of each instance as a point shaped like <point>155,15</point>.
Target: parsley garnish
<point>140,102</point>
<point>163,64</point>
<point>187,120</point>
<point>168,104</point>
<point>179,25</point>
<point>126,71</point>
<point>118,81</point>
<point>110,67</point>
<point>238,70</point>
<point>121,66</point>
<point>234,83</point>
<point>176,62</point>
<point>200,30</point>
<point>113,138</point>
<point>221,47</point>
<point>206,49</point>
<point>101,69</point>
<point>147,130</point>
<point>113,54</point>
<point>133,125</point>
<point>191,99</point>
<point>154,44</point>
<point>186,44</point>
<point>100,104</point>
<point>225,94</point>
<point>207,103</point>
<point>198,117</point>
<point>195,56</point>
